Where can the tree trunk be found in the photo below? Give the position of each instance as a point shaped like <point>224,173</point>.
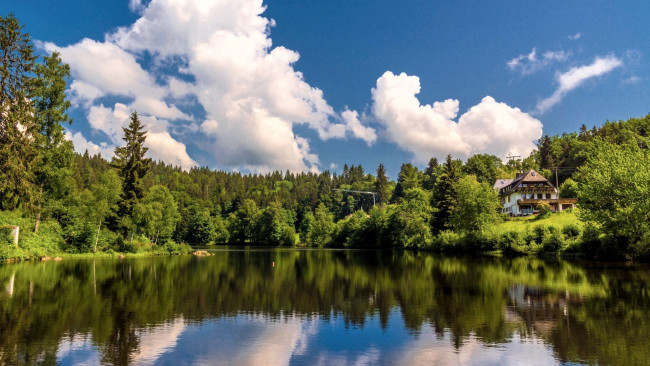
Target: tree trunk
<point>38,212</point>
<point>99,227</point>
<point>38,221</point>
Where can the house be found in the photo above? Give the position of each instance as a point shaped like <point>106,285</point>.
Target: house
<point>522,195</point>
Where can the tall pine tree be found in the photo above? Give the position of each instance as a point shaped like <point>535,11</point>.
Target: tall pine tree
<point>17,125</point>
<point>445,196</point>
<point>381,186</point>
<point>132,165</point>
<point>54,175</point>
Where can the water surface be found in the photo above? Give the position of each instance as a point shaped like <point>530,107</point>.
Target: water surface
<point>329,307</point>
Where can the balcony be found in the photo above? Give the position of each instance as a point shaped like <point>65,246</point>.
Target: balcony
<point>550,201</point>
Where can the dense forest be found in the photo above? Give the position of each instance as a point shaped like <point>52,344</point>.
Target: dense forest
<point>78,203</point>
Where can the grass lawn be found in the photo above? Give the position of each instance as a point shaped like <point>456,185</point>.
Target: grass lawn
<point>524,224</point>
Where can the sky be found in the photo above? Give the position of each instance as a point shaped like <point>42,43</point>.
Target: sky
<point>256,86</point>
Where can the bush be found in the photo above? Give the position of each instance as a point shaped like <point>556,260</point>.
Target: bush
<point>554,241</point>
<point>171,247</point>
<point>516,243</point>
<point>571,231</point>
<point>125,246</point>
<point>79,237</point>
<point>544,210</point>
<point>447,241</point>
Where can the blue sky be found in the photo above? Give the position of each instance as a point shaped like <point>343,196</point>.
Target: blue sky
<point>311,85</point>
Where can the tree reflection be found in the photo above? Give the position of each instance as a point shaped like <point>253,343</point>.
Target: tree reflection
<point>591,315</point>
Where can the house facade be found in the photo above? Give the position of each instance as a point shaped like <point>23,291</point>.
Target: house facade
<point>522,195</point>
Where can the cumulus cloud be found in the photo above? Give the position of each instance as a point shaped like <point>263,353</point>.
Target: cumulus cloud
<point>223,64</point>
<point>353,124</point>
<point>431,130</point>
<point>531,63</point>
<point>576,76</point>
<point>162,146</point>
<point>81,144</point>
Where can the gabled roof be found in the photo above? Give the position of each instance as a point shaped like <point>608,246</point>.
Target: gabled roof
<point>500,183</point>
<point>530,176</point>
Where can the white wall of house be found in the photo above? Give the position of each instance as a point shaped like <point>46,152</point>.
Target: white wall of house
<point>510,202</point>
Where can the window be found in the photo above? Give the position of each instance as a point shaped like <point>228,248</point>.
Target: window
<point>533,174</point>
<point>548,196</point>
<point>539,196</point>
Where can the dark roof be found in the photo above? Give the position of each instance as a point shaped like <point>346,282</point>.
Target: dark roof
<point>530,176</point>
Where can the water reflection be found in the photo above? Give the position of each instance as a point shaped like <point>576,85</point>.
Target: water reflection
<point>323,307</point>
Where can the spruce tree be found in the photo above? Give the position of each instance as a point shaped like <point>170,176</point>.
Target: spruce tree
<point>430,174</point>
<point>132,164</point>
<point>17,125</point>
<point>445,196</point>
<point>545,154</point>
<point>381,185</point>
<point>54,172</point>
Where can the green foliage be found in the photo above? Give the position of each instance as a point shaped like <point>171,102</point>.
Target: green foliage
<point>477,206</point>
<point>381,185</point>
<point>321,227</point>
<point>445,196</point>
<point>569,189</point>
<point>200,230</point>
<point>572,231</point>
<point>158,214</point>
<point>132,165</point>
<point>484,167</point>
<point>18,155</point>
<point>408,178</point>
<point>274,227</point>
<point>614,194</point>
<point>243,223</point>
<point>544,210</point>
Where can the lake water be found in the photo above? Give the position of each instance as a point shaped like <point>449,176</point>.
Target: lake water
<point>324,307</point>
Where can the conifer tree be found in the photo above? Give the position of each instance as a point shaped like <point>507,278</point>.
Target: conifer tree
<point>17,125</point>
<point>545,156</point>
<point>132,164</point>
<point>54,171</point>
<point>445,197</point>
<point>430,174</point>
<point>381,185</point>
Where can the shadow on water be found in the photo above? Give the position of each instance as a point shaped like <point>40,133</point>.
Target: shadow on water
<point>586,313</point>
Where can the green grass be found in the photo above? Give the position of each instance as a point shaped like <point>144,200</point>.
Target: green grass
<point>525,224</point>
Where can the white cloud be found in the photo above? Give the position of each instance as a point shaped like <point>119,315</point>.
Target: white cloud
<point>531,63</point>
<point>101,69</point>
<point>426,131</point>
<point>162,146</point>
<point>576,76</point>
<point>352,123</point>
<point>496,128</point>
<point>576,36</point>
<point>81,145</point>
<point>250,87</point>
<point>631,80</point>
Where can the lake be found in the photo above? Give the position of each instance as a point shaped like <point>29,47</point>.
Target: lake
<point>324,307</point>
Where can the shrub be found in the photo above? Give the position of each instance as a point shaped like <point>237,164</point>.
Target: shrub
<point>544,210</point>
<point>571,231</point>
<point>513,243</point>
<point>125,246</point>
<point>554,241</point>
<point>446,241</point>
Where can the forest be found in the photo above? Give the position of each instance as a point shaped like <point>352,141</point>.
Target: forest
<point>65,202</point>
